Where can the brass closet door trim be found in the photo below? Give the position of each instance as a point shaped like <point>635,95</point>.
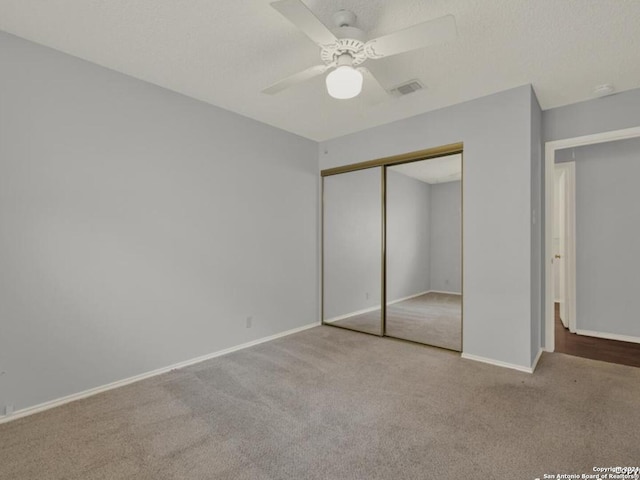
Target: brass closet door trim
<point>462,253</point>
<point>383,268</point>
<point>442,151</point>
<point>322,251</point>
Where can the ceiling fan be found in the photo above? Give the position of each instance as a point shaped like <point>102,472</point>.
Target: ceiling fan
<point>346,47</point>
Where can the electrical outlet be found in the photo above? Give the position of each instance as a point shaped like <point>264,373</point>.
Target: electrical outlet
<point>8,409</point>
<point>366,295</point>
<point>249,321</point>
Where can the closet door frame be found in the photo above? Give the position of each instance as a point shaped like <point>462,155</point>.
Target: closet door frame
<point>442,151</point>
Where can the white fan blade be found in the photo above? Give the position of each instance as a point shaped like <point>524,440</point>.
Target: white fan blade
<point>297,13</point>
<point>299,77</point>
<point>374,93</point>
<point>440,30</point>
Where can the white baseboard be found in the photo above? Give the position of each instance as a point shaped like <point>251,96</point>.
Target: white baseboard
<point>373,309</point>
<point>121,383</point>
<point>409,297</point>
<point>609,336</point>
<point>498,363</point>
<point>444,291</point>
<point>536,360</point>
<point>352,314</point>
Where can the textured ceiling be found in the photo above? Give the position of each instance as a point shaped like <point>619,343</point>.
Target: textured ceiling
<point>226,51</point>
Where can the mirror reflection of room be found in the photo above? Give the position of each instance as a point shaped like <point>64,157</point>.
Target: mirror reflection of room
<point>352,250</point>
<point>424,252</point>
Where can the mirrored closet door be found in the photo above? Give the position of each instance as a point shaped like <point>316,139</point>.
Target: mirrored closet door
<point>392,247</point>
<point>424,251</point>
<point>352,250</point>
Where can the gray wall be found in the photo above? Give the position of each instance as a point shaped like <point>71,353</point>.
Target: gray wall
<point>537,237</point>
<point>606,114</point>
<point>607,232</point>
<point>408,236</point>
<point>352,242</point>
<point>139,227</point>
<point>446,237</point>
<point>496,131</point>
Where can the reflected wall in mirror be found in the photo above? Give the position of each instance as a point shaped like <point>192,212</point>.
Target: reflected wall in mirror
<point>352,250</point>
<point>424,251</point>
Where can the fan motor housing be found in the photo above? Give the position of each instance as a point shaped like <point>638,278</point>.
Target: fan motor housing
<point>351,40</point>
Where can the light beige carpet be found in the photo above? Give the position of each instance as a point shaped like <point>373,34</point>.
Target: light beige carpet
<point>433,319</point>
<point>330,404</point>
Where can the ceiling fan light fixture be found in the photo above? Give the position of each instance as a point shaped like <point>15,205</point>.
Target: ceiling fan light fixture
<point>348,46</point>
<point>344,82</point>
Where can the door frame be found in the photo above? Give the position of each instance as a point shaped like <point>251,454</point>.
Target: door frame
<point>550,156</point>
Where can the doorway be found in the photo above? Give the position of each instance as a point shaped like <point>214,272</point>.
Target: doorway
<point>592,256</point>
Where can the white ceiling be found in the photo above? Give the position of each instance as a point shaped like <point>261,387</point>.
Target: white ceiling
<point>436,170</point>
<point>226,51</point>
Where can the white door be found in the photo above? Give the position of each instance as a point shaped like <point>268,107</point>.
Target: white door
<point>564,247</point>
<point>559,243</point>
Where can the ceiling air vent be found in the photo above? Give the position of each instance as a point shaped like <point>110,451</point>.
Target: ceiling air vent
<point>407,88</point>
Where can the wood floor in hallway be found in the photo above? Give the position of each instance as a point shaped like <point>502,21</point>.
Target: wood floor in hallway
<point>614,351</point>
